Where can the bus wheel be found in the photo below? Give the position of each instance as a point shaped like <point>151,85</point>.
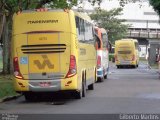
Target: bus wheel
<point>134,66</point>
<point>100,79</point>
<point>82,92</point>
<point>91,86</point>
<point>105,77</point>
<point>78,94</point>
<point>29,97</point>
<point>95,76</point>
<point>83,89</point>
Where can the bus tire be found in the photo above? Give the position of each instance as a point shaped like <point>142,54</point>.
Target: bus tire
<point>100,79</point>
<point>83,89</point>
<point>78,94</point>
<point>82,92</point>
<point>95,76</point>
<point>134,66</point>
<point>91,86</point>
<point>105,77</point>
<point>29,97</point>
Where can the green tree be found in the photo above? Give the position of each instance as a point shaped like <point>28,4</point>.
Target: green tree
<point>156,5</point>
<point>109,21</point>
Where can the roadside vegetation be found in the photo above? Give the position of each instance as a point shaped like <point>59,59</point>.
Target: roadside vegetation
<point>6,87</point>
<point>6,83</point>
<point>108,20</point>
<point>1,63</point>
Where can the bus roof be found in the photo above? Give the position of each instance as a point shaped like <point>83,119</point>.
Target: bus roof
<point>46,20</point>
<point>79,14</point>
<point>83,15</point>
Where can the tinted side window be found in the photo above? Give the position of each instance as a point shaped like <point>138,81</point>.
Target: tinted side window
<point>84,31</point>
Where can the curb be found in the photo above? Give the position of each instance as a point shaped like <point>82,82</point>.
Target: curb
<point>10,98</point>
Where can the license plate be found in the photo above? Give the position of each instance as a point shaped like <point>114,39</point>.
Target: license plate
<point>125,62</point>
<point>44,84</point>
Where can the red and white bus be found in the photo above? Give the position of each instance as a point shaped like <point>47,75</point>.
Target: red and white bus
<point>102,53</point>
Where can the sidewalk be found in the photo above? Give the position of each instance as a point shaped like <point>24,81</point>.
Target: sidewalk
<point>6,88</point>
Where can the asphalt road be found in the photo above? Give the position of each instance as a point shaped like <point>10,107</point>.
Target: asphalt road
<point>125,91</point>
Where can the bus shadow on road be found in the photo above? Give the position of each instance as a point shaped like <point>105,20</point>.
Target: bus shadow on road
<point>51,98</point>
<point>127,67</point>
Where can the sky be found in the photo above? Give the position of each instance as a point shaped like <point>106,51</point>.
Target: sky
<point>130,11</point>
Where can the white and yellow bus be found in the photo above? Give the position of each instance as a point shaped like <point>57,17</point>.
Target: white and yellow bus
<point>53,50</point>
<point>126,53</point>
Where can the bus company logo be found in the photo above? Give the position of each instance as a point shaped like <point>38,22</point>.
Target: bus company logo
<point>41,21</point>
<point>45,63</point>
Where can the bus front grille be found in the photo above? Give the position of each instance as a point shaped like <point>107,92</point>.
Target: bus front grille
<point>43,48</point>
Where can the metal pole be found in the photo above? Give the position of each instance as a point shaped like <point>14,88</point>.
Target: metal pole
<point>147,25</point>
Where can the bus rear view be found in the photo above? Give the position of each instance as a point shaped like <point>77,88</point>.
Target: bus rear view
<point>45,57</point>
<point>126,53</point>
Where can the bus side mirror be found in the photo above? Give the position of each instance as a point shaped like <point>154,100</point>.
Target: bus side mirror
<point>97,42</point>
<point>139,49</point>
<point>96,45</point>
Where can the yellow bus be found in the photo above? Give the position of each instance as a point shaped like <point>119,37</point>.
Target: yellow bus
<point>53,50</point>
<point>126,53</point>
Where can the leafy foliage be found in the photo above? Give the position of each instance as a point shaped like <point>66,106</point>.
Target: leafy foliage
<point>109,21</point>
<point>156,5</point>
<point>123,2</point>
<point>11,6</point>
